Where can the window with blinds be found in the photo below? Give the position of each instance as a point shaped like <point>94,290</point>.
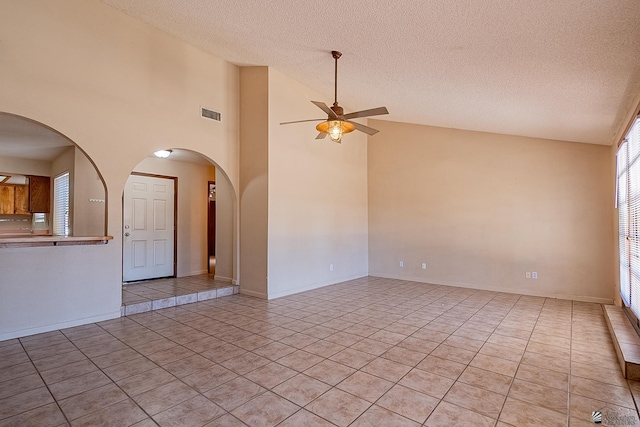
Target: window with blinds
<point>628,202</point>
<point>61,205</point>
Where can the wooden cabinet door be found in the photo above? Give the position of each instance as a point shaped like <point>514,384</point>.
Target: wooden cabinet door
<point>21,199</point>
<point>39,194</point>
<point>7,199</point>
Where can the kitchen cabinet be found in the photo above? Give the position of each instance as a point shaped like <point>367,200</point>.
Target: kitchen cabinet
<point>14,199</point>
<point>39,194</point>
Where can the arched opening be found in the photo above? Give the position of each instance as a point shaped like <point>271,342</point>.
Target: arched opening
<point>169,230</point>
<point>48,185</point>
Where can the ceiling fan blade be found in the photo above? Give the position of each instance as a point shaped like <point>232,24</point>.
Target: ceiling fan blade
<point>302,121</point>
<point>324,107</point>
<point>321,135</point>
<point>363,128</point>
<point>367,113</point>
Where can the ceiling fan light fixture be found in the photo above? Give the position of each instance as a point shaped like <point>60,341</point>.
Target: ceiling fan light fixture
<point>335,129</point>
<point>163,154</point>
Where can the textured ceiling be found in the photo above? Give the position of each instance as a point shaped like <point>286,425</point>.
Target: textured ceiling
<point>566,70</point>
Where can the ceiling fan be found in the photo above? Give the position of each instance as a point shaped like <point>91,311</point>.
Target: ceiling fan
<point>338,123</point>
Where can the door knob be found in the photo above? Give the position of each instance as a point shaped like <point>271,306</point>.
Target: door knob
<point>126,234</point>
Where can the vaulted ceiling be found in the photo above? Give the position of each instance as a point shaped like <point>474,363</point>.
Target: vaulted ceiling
<point>567,70</point>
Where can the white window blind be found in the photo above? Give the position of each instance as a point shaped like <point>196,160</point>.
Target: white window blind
<point>628,201</point>
<point>61,205</point>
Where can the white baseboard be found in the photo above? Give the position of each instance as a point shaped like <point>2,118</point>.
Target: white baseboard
<point>55,326</point>
<point>192,273</point>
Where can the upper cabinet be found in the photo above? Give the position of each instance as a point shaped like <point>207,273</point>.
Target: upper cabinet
<point>39,194</point>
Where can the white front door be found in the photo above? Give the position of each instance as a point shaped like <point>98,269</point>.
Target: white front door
<point>148,222</point>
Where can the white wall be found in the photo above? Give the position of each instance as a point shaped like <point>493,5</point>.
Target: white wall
<point>119,89</point>
<point>317,196</point>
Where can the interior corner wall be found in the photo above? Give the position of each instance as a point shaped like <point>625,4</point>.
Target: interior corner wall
<point>254,178</point>
<point>317,196</point>
<point>482,209</point>
<point>89,198</point>
<point>225,254</point>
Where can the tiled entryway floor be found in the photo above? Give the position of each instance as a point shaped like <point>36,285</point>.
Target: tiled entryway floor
<point>148,295</point>
<point>368,352</point>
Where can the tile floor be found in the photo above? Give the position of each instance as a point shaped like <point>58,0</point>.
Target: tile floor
<point>368,352</point>
<point>140,297</point>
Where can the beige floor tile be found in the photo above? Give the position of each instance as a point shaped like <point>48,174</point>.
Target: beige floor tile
<point>246,362</point>
<point>365,386</point>
<point>189,365</point>
<point>427,383</point>
<point>164,397</point>
<point>404,355</point>
<point>408,403</point>
<point>91,401</point>
<point>145,381</point>
<point>20,385</point>
<point>476,399</point>
<point>338,407</point>
<point>227,420</point>
<point>271,375</point>
<point>123,413</point>
<point>17,403</point>
<point>371,346</point>
<point>544,377</point>
<point>322,348</point>
<point>58,360</point>
<point>344,338</point>
<point>79,384</point>
<point>299,360</point>
<point>464,343</point>
<point>43,416</point>
<point>494,364</point>
<point>299,340</point>
<point>223,353</point>
<point>330,372</point>
<point>353,358</point>
<point>430,335</point>
<point>115,358</point>
<point>447,415</point>
<point>518,413</point>
<point>196,411</point>
<point>130,368</point>
<point>547,362</point>
<point>234,393</point>
<point>620,396</point>
<point>265,410</point>
<point>446,368</point>
<point>503,352</point>
<point>376,416</point>
<point>581,408</point>
<point>455,354</point>
<point>539,395</point>
<point>276,350</point>
<point>304,418</point>
<point>387,369</point>
<point>487,380</point>
<point>301,389</point>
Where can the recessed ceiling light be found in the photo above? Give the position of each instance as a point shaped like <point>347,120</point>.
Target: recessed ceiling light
<point>163,154</point>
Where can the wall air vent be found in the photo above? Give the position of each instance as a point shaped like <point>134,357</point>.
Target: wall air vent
<point>210,114</point>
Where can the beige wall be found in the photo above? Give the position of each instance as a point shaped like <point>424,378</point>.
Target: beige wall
<point>119,89</point>
<point>25,166</point>
<point>482,209</point>
<point>317,196</point>
<point>226,250</point>
<point>89,199</point>
<point>254,177</point>
<point>65,162</point>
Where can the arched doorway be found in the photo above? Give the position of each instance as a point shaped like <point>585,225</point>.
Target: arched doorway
<point>190,278</point>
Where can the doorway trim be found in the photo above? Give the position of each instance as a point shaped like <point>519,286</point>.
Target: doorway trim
<point>175,220</point>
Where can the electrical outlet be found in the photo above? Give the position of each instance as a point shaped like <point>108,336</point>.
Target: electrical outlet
<point>401,263</point>
<point>527,275</point>
<point>534,274</point>
<point>330,267</point>
<point>424,265</point>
